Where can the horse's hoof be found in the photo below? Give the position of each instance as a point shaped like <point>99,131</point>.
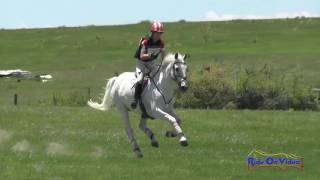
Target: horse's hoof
<point>184,143</point>
<point>155,144</point>
<point>138,152</point>
<point>171,134</point>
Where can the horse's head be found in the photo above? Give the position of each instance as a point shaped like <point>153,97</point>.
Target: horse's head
<point>179,71</point>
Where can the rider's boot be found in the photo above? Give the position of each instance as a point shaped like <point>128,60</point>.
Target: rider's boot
<point>137,95</point>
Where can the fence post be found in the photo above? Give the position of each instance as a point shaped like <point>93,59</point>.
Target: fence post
<point>15,99</point>
<point>54,99</point>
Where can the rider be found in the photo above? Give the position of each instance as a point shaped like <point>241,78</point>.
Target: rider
<point>150,48</point>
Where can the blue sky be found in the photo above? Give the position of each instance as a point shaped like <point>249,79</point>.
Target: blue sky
<point>50,13</point>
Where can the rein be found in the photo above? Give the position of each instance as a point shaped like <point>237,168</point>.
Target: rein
<point>155,84</point>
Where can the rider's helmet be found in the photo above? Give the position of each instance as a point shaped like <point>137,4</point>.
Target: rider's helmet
<point>157,27</point>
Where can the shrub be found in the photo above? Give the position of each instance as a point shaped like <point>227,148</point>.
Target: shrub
<point>208,89</point>
<point>215,87</point>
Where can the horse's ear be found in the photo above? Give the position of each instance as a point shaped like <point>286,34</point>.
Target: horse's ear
<point>176,56</point>
<point>186,56</point>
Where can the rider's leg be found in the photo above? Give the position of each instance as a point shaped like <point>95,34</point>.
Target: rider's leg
<point>141,69</point>
<point>138,86</point>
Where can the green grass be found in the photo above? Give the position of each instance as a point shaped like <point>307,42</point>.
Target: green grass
<point>84,57</point>
<point>95,145</point>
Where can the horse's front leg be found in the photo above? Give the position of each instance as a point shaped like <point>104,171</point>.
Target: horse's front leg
<point>143,126</point>
<point>172,120</point>
<point>173,133</point>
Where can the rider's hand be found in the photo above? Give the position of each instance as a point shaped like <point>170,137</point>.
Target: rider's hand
<point>145,57</point>
<point>154,56</point>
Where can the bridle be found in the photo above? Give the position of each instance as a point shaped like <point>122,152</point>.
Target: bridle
<point>175,78</point>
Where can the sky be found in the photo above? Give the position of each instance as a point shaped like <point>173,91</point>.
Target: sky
<point>16,14</point>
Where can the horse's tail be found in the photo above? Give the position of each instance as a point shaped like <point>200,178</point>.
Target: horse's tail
<point>107,100</point>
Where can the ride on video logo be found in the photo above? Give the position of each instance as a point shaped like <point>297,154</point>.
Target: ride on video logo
<point>259,159</point>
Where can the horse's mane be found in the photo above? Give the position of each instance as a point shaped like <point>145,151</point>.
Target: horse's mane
<point>169,59</point>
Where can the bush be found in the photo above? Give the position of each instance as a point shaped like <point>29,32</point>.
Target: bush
<point>208,89</point>
<point>215,87</point>
<point>261,89</point>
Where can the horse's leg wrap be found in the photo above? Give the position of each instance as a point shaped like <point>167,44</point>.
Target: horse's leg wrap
<point>177,127</point>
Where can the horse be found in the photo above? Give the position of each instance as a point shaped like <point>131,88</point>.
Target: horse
<point>157,98</point>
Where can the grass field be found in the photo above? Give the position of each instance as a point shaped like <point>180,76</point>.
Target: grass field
<point>79,143</point>
<point>41,141</point>
<point>81,58</point>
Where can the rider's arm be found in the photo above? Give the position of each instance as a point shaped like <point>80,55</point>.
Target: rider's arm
<point>144,56</point>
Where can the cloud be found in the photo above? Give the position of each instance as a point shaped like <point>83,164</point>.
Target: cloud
<point>26,26</point>
<point>22,26</point>
<point>214,16</point>
<point>294,14</point>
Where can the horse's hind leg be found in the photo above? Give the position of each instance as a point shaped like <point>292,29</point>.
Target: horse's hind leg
<point>129,132</point>
<point>148,132</point>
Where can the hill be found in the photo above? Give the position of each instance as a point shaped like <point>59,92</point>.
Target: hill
<point>83,57</point>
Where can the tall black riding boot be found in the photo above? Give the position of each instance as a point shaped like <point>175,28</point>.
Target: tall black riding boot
<point>137,95</point>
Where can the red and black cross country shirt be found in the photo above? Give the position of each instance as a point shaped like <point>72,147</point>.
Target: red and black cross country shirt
<point>148,46</point>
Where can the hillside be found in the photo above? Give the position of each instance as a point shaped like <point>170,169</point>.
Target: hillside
<point>84,57</point>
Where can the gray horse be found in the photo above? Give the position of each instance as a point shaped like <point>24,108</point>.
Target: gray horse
<point>157,98</point>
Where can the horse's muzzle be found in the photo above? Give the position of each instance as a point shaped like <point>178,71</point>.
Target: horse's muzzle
<point>183,85</point>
